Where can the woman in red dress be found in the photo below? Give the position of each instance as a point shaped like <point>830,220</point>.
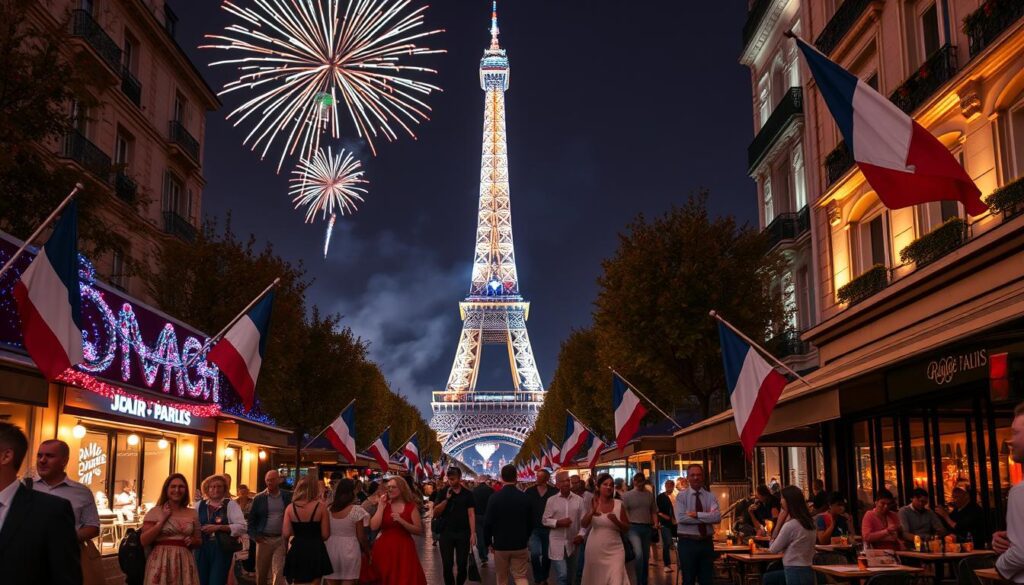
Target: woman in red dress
<point>394,552</point>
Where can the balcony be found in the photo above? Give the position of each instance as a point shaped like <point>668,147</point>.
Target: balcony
<point>936,71</point>
<point>788,227</point>
<point>936,243</point>
<point>838,162</point>
<point>1008,199</point>
<point>131,87</point>
<point>984,25</point>
<point>85,27</point>
<point>757,12</point>
<point>872,281</point>
<point>788,343</point>
<point>184,141</point>
<point>125,187</point>
<point>848,13</point>
<point>179,227</point>
<point>789,109</point>
<point>87,155</point>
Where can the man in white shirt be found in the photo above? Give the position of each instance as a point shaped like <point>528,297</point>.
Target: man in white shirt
<point>696,514</point>
<point>562,515</point>
<point>51,478</point>
<point>1009,543</point>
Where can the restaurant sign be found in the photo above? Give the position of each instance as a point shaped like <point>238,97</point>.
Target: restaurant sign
<point>947,369</point>
<point>152,411</point>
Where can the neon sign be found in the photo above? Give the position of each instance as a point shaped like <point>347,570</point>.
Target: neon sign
<point>91,460</point>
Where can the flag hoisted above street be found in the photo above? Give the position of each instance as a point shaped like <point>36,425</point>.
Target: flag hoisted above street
<point>494,312</point>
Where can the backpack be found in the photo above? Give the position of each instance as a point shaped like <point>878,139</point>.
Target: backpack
<point>131,556</point>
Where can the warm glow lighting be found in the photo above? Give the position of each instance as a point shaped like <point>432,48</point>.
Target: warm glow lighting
<point>78,431</point>
<point>229,453</point>
<point>188,450</point>
<point>133,439</point>
<point>262,455</point>
<point>162,443</point>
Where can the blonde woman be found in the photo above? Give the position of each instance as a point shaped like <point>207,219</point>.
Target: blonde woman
<point>394,552</point>
<point>221,523</point>
<point>306,526</point>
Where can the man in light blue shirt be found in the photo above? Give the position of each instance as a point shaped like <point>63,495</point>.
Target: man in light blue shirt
<point>697,513</point>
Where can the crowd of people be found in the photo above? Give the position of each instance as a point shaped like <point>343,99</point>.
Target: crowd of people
<point>565,531</point>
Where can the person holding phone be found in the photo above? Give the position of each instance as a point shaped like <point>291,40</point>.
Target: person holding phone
<point>394,552</point>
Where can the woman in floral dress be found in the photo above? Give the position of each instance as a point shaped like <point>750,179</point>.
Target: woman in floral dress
<point>172,529</point>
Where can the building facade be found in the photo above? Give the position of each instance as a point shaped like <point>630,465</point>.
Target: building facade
<point>139,141</point>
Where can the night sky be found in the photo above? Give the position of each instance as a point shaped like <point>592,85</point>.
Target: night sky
<point>614,109</point>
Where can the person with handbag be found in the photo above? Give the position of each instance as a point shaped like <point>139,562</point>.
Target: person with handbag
<point>221,523</point>
<point>347,546</point>
<point>607,550</point>
<point>51,462</point>
<point>171,528</point>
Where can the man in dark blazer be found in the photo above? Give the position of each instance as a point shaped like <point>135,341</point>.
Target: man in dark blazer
<point>38,541</point>
<point>507,527</point>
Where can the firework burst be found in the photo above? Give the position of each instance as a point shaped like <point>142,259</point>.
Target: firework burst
<point>306,59</point>
<point>329,185</point>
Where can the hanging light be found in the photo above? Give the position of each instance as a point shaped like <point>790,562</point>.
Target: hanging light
<point>262,455</point>
<point>133,440</point>
<point>162,443</point>
<point>229,453</point>
<point>78,431</point>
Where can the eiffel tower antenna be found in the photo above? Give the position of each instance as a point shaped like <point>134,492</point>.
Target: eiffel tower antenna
<point>493,312</point>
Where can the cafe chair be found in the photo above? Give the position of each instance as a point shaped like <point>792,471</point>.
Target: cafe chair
<point>108,530</point>
<point>968,565</point>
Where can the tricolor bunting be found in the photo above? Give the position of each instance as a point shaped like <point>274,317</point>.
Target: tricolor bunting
<point>904,163</point>
<point>50,300</point>
<point>627,409</point>
<point>239,354</point>
<point>754,387</point>
<point>342,433</point>
<point>576,436</point>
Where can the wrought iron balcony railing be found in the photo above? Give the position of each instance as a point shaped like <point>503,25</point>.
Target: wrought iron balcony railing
<point>838,162</point>
<point>131,87</point>
<point>757,12</point>
<point>89,156</point>
<point>789,109</point>
<point>180,136</point>
<point>842,21</point>
<point>83,25</point>
<point>178,226</point>
<point>984,25</point>
<point>125,187</point>
<point>788,226</point>
<point>937,70</point>
<point>788,343</point>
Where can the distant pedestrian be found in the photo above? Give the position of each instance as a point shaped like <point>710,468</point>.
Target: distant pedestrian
<point>607,523</point>
<point>697,512</point>
<point>455,511</point>
<point>307,525</point>
<point>563,515</point>
<point>507,527</point>
<point>642,512</point>
<point>266,522</point>
<point>794,536</point>
<point>220,521</point>
<point>667,522</point>
<point>585,491</point>
<point>397,519</point>
<point>539,494</point>
<point>171,528</point>
<point>481,495</point>
<point>347,543</point>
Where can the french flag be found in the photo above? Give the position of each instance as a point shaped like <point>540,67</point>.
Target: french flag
<point>628,411</point>
<point>341,433</point>
<point>379,450</point>
<point>239,354</point>
<point>411,452</point>
<point>50,301</point>
<point>904,163</point>
<point>594,451</point>
<point>576,436</point>
<point>754,387</point>
<point>554,453</point>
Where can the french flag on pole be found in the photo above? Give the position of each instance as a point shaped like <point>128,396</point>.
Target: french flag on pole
<point>594,451</point>
<point>411,451</point>
<point>341,433</point>
<point>628,411</point>
<point>576,436</point>
<point>50,301</point>
<point>754,387</point>
<point>904,163</point>
<point>239,354</point>
<point>379,450</point>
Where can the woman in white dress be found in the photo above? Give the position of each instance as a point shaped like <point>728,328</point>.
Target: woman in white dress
<point>347,542</point>
<point>605,557</point>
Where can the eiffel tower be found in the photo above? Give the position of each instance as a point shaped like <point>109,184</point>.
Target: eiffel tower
<point>494,312</point>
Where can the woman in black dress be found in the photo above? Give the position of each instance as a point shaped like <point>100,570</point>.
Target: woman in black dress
<point>306,526</point>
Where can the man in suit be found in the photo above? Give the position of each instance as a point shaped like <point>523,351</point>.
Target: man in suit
<point>38,541</point>
<point>507,527</point>
<point>266,519</point>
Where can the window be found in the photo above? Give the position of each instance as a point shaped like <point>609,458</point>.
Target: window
<point>769,209</point>
<point>123,144</point>
<point>79,115</point>
<point>949,209</point>
<point>1016,122</point>
<point>117,276</point>
<point>180,113</point>
<point>174,195</point>
<point>86,5</point>
<point>170,20</point>
<point>789,301</point>
<point>129,54</point>
<point>877,241</point>
<point>763,99</point>
<point>799,180</point>
<point>929,28</point>
<point>803,299</point>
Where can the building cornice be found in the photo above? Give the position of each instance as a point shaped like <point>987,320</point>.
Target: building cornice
<point>763,33</point>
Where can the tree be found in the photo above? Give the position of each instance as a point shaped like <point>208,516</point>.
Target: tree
<point>651,314</point>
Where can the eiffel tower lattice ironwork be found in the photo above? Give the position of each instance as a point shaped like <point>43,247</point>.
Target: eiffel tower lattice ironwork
<point>494,312</point>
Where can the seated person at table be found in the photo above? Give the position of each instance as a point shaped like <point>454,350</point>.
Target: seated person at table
<point>793,537</point>
<point>880,527</point>
<point>765,508</point>
<point>835,520</point>
<point>966,520</point>
<point>917,519</point>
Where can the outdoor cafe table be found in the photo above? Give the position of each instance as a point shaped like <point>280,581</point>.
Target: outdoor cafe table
<point>940,558</point>
<point>989,576</point>
<point>757,560</point>
<point>721,547</point>
<point>855,573</point>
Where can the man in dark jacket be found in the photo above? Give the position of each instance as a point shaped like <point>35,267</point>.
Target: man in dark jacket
<point>266,519</point>
<point>38,541</point>
<point>539,494</point>
<point>506,530</point>
<point>481,495</point>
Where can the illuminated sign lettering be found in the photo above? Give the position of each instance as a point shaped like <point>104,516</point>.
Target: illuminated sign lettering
<point>141,408</point>
<point>91,460</point>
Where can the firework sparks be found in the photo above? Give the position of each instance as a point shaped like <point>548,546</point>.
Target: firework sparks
<point>307,59</point>
<point>328,184</point>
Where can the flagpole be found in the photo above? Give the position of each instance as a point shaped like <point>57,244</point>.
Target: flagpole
<point>404,443</point>
<point>17,254</point>
<point>758,347</point>
<point>220,334</point>
<point>327,427</point>
<point>379,435</point>
<point>649,401</point>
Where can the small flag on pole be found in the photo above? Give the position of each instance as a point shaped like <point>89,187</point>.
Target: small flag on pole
<point>576,436</point>
<point>411,452</point>
<point>49,300</point>
<point>555,454</point>
<point>594,451</point>
<point>754,387</point>
<point>379,450</point>
<point>341,433</point>
<point>239,354</point>
<point>628,411</point>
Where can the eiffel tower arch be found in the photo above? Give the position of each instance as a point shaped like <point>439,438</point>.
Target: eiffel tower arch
<point>494,312</point>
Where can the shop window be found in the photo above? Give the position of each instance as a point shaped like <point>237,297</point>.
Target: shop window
<point>865,465</point>
<point>921,471</point>
<point>157,453</point>
<point>207,459</point>
<point>771,467</point>
<point>127,462</point>
<point>953,451</point>
<point>91,460</point>
<point>796,468</point>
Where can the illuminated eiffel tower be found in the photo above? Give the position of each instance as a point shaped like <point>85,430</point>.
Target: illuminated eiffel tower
<point>493,312</point>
